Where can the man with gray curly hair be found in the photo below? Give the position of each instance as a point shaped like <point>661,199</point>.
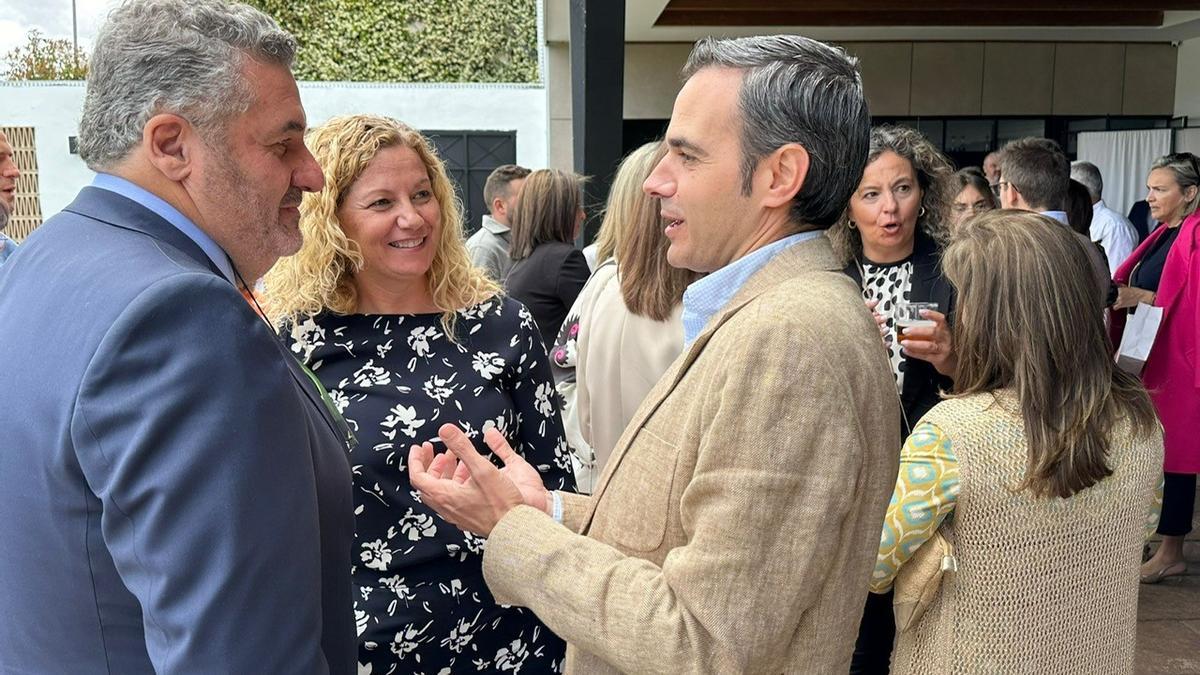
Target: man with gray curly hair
<point>174,490</point>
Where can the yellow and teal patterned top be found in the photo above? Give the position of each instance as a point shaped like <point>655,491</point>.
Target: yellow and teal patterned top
<point>926,490</point>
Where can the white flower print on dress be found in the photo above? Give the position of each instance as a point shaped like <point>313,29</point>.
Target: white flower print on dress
<point>408,640</point>
<point>542,397</point>
<point>419,338</point>
<point>499,424</point>
<point>405,415</point>
<point>376,555</point>
<point>418,589</point>
<point>477,312</point>
<point>307,336</point>
<point>440,388</point>
<point>512,657</point>
<point>383,349</point>
<point>397,585</point>
<point>461,634</point>
<point>454,589</point>
<point>417,525</point>
<point>339,399</point>
<point>488,364</point>
<point>371,375</point>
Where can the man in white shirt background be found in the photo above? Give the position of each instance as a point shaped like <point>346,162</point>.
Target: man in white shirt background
<point>1113,231</point>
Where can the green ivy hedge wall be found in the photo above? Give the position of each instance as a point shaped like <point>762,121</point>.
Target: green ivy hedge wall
<point>411,40</point>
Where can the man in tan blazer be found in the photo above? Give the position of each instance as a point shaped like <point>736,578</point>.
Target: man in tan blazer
<point>735,526</point>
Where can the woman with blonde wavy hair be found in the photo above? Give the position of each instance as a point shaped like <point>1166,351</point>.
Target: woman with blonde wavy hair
<point>383,304</point>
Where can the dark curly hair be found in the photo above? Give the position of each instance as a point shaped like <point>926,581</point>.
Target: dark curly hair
<point>935,176</point>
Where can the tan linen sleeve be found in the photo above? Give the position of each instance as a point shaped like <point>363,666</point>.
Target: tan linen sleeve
<point>575,508</point>
<point>764,509</point>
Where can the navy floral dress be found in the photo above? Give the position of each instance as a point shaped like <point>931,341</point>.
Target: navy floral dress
<point>421,604</point>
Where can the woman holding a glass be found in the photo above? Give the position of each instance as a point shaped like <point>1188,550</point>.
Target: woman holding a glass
<point>891,239</point>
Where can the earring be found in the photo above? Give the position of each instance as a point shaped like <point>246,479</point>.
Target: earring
<point>850,224</point>
<point>921,213</point>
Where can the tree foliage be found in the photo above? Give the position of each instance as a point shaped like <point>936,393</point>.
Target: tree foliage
<point>411,40</point>
<point>43,58</point>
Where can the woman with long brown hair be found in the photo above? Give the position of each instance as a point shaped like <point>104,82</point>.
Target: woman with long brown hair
<point>626,327</point>
<point>548,271</point>
<point>1040,470</point>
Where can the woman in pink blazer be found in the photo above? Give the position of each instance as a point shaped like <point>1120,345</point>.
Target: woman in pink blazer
<point>1164,271</point>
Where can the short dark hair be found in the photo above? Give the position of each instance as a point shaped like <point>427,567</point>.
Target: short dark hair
<point>1039,170</point>
<point>499,181</point>
<point>1079,208</point>
<point>797,90</point>
<point>550,202</point>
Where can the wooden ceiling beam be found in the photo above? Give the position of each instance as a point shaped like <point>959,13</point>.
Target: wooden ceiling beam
<point>907,17</point>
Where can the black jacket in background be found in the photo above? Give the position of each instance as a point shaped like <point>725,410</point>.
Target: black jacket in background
<point>547,282</point>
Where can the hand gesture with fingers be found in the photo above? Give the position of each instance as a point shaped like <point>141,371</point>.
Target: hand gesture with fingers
<point>880,321</point>
<point>932,343</point>
<point>465,488</point>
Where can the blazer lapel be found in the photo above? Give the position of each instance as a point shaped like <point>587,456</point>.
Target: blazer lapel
<point>116,210</point>
<point>1178,263</point>
<point>812,255</point>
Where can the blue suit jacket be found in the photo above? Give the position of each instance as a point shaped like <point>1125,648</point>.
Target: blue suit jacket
<point>173,495</point>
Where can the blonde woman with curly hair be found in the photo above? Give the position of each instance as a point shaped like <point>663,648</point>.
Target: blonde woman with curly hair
<point>890,240</point>
<point>385,307</point>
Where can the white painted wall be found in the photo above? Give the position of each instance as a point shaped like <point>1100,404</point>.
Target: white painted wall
<point>53,110</point>
<point>1187,74</point>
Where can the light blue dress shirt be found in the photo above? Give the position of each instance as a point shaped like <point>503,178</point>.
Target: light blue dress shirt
<point>169,213</point>
<point>1060,216</point>
<point>707,295</point>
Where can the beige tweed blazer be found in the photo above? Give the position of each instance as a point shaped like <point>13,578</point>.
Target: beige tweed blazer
<point>735,527</point>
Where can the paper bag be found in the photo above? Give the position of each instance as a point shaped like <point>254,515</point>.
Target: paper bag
<point>1141,327</point>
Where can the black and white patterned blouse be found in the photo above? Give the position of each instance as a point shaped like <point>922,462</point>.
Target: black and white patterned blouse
<point>890,284</point>
<point>421,604</point>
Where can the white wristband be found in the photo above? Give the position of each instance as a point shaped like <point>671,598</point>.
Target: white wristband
<point>556,507</point>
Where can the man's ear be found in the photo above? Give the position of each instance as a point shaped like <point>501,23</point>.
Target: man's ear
<point>1018,199</point>
<point>170,142</point>
<point>786,168</point>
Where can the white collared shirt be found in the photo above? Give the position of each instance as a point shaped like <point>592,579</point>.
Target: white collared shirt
<point>1115,234</point>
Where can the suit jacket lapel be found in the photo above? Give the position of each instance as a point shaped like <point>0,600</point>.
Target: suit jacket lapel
<point>116,210</point>
<point>1178,264</point>
<point>119,211</point>
<point>812,255</point>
